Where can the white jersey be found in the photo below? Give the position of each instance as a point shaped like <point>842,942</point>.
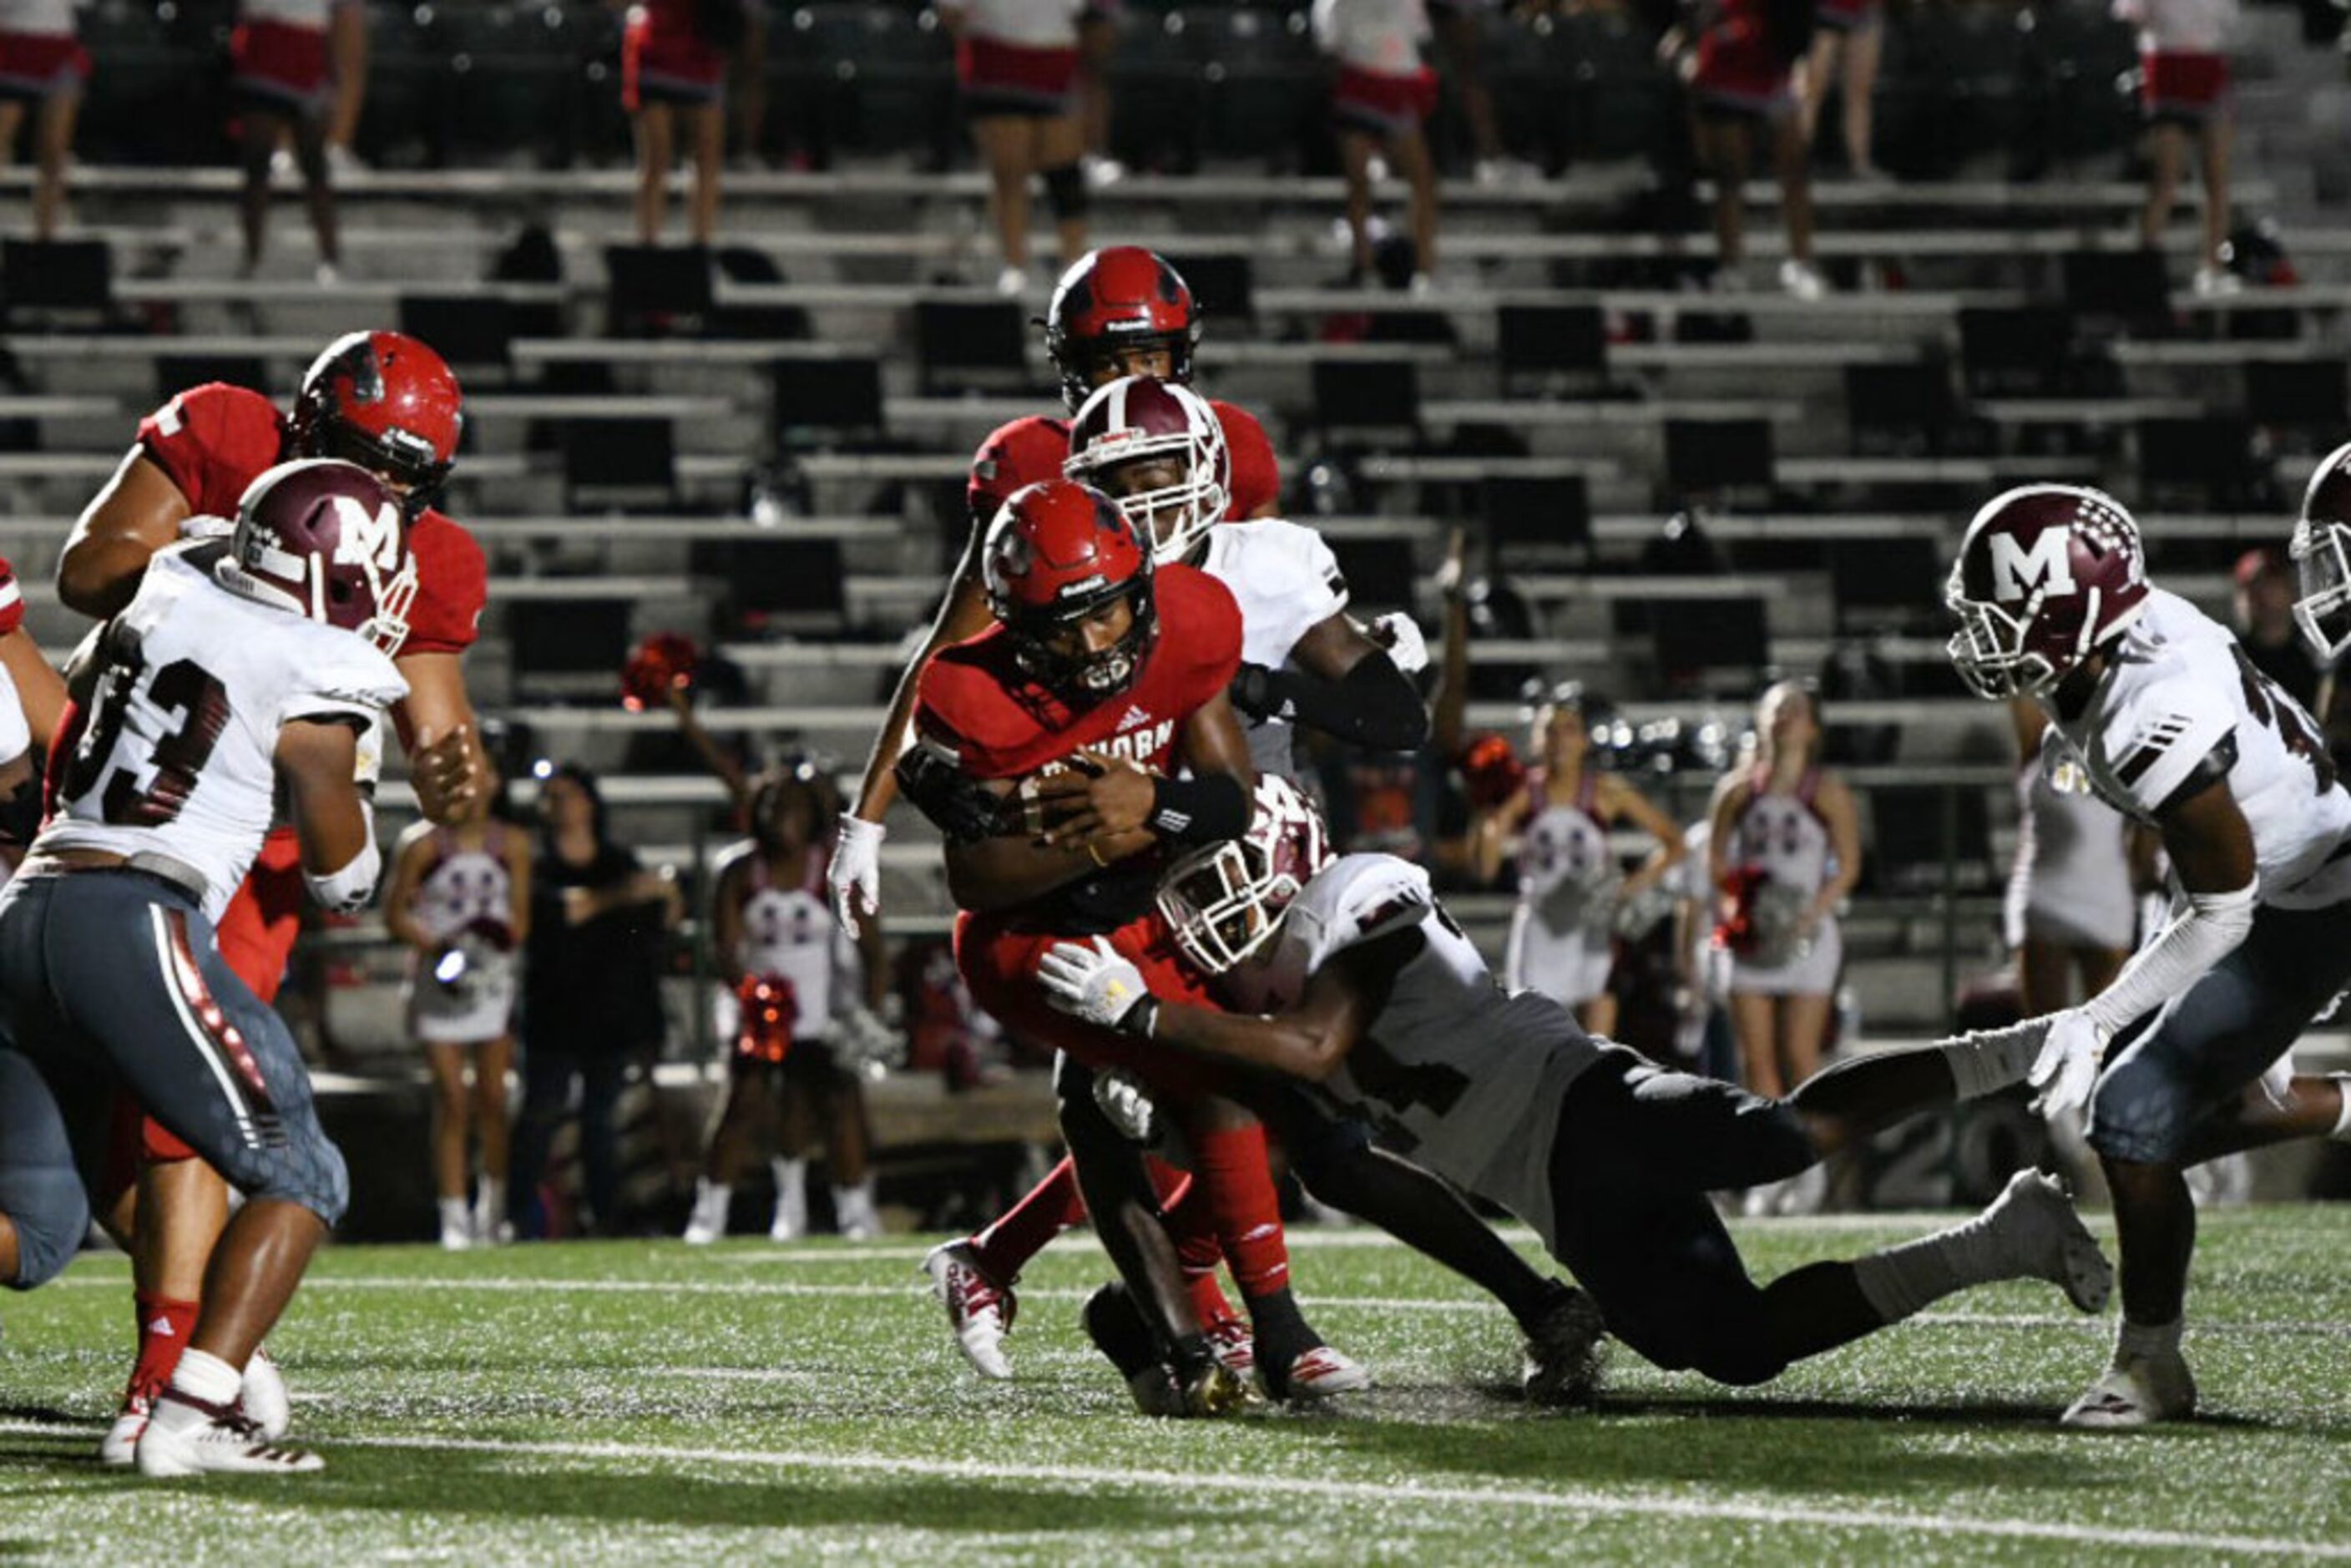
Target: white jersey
<point>1466,1079</point>
<point>1561,932</point>
<point>1286,581</point>
<point>2178,689</point>
<point>1025,24</point>
<point>37,18</point>
<point>177,756</point>
<point>1381,36</point>
<point>2072,880</point>
<point>789,934</point>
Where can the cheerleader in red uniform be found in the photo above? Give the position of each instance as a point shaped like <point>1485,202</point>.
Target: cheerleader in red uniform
<point>2184,94</point>
<point>1848,36</point>
<point>674,85</point>
<point>1019,62</point>
<point>43,69</point>
<point>1742,71</point>
<point>1384,94</point>
<point>282,89</point>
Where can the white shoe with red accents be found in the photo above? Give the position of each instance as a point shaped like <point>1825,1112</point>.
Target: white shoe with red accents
<point>263,1400</point>
<point>978,1309</point>
<point>1234,1344</point>
<point>1323,1374</point>
<point>184,1437</point>
<point>121,1443</point>
<point>2135,1391</point>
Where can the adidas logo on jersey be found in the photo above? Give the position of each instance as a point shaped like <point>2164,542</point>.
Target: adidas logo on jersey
<point>1132,716</point>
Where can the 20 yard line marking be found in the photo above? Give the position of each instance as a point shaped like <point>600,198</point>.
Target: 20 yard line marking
<point>1264,1486</point>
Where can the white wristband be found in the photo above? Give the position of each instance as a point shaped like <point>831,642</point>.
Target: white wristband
<point>352,888</point>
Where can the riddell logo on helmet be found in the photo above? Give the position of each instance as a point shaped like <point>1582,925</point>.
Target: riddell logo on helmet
<point>1082,587</point>
<point>2018,569</point>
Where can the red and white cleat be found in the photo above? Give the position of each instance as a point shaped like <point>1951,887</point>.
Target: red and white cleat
<point>187,1439</point>
<point>121,1443</point>
<point>1322,1373</point>
<point>978,1309</point>
<point>1234,1345</point>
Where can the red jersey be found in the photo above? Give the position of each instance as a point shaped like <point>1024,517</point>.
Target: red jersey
<point>214,440</point>
<point>1032,449</point>
<point>975,697</point>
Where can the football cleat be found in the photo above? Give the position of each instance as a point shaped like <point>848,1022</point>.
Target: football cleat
<point>1234,1344</point>
<point>219,1441</point>
<point>2136,1391</point>
<point>978,1309</point>
<point>2038,1226</point>
<point>1320,1373</point>
<point>1563,1351</point>
<point>263,1400</point>
<point>121,1443</point>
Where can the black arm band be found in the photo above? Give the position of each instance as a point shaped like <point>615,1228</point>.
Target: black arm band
<point>1199,810</point>
<point>2212,768</point>
<point>1374,704</point>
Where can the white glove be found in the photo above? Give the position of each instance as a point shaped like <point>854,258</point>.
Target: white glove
<point>2067,1067</point>
<point>1093,982</point>
<point>1400,635</point>
<point>1121,1097</point>
<point>855,873</point>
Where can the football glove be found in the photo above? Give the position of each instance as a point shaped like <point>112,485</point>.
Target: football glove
<point>1400,635</point>
<point>862,1043</point>
<point>2067,1067</point>
<point>854,874</point>
<point>1121,1097</point>
<point>1092,982</point>
<point>958,805</point>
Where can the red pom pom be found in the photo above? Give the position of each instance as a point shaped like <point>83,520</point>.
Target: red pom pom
<point>769,1011</point>
<point>662,663</point>
<point>1492,771</point>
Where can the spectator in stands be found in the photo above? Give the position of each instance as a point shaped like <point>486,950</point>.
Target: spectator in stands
<point>1850,34</point>
<point>793,978</point>
<point>746,88</point>
<point>1739,60</point>
<point>1783,849</point>
<point>2184,94</point>
<point>281,90</point>
<point>43,69</point>
<point>347,52</point>
<point>1459,27</point>
<point>1017,62</point>
<point>1098,31</point>
<point>2265,589</point>
<point>674,85</point>
<point>1383,96</point>
<point>2073,899</point>
<point>459,896</point>
<point>592,1000</point>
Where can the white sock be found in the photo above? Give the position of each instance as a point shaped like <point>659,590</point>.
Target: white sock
<point>2139,1341</point>
<point>791,1179</point>
<point>853,1203</point>
<point>1903,1280</point>
<point>455,1215</point>
<point>207,1378</point>
<point>2342,1133</point>
<point>1985,1061</point>
<point>491,1206</point>
<point>711,1198</point>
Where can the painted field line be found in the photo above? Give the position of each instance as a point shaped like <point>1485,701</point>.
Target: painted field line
<point>787,1288</point>
<point>1569,1501</point>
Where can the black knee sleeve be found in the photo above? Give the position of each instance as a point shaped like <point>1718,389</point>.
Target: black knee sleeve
<point>1065,191</point>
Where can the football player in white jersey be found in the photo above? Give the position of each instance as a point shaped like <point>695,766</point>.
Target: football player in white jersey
<point>1352,977</point>
<point>2174,726</point>
<point>216,689</point>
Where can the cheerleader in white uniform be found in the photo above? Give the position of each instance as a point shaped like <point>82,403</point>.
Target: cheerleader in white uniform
<point>791,979</point>
<point>460,897</point>
<point>1571,886</point>
<point>2072,905</point>
<point>1784,850</point>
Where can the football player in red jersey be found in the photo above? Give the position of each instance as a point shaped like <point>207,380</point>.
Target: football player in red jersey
<point>1120,311</point>
<point>1100,679</point>
<point>389,403</point>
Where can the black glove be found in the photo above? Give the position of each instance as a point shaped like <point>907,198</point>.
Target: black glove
<point>956,804</point>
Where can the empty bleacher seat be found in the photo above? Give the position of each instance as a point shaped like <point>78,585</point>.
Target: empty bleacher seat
<point>645,285</point>
<point>1524,512</point>
<point>971,346</point>
<point>55,274</point>
<point>1926,836</point>
<point>568,637</point>
<point>1549,339</point>
<point>2131,285</point>
<point>1380,573</point>
<point>1899,409</point>
<point>174,373</point>
<point>1719,645</point>
<point>1711,454</point>
<point>472,331</point>
<point>611,461</point>
<point>780,584</point>
<point>825,399</point>
<point>1359,398</point>
<point>2298,395</point>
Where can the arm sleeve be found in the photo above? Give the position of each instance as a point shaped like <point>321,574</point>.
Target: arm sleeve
<point>1373,705</point>
<point>2207,928</point>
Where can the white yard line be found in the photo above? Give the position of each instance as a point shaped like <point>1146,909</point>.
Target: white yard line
<point>1263,1486</point>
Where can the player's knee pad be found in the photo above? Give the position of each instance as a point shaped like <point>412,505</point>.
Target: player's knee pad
<point>1066,193</point>
<point>2141,1113</point>
<point>50,1214</point>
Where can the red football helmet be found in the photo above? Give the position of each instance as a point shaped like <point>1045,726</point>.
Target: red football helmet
<point>1135,417</point>
<point>326,541</point>
<point>387,403</point>
<point>2322,558</point>
<point>1057,553</point>
<point>1119,297</point>
<point>2047,575</point>
<point>1225,901</point>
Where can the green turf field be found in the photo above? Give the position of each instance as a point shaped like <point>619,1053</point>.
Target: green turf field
<point>641,1402</point>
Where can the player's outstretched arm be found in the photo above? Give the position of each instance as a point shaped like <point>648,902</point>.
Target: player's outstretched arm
<point>138,513</point>
<point>446,765</point>
<point>1345,686</point>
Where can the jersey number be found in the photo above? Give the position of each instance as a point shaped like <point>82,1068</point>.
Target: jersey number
<point>183,686</point>
<point>2277,711</point>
